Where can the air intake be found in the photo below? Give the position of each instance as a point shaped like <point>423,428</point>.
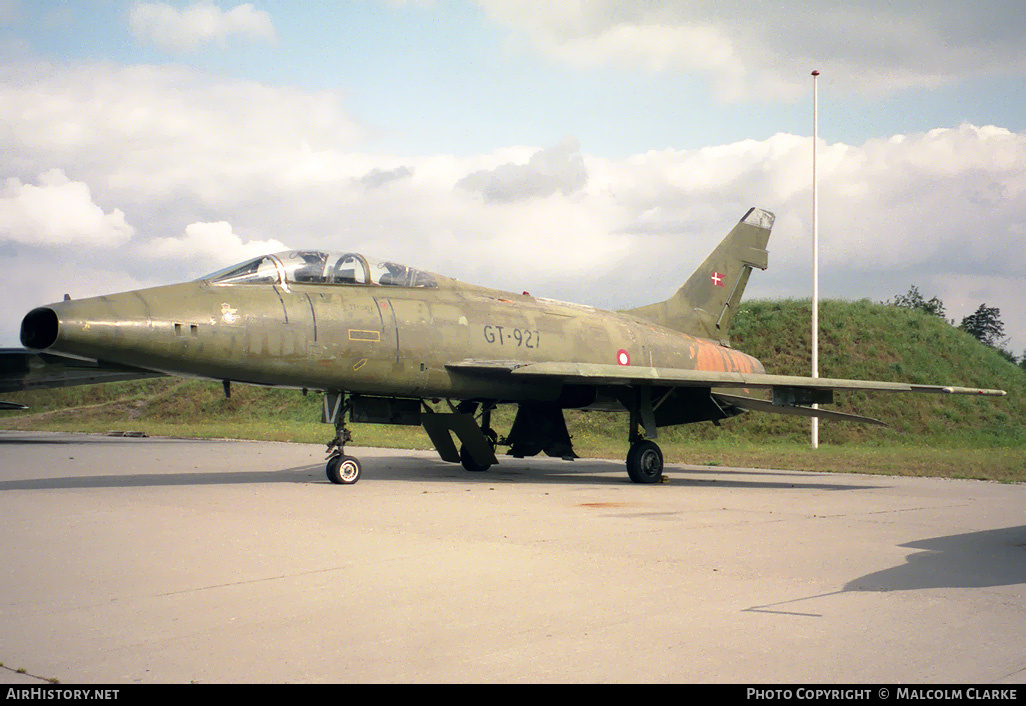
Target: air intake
<point>39,328</point>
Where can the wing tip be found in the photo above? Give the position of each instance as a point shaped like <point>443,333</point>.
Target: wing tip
<point>953,390</point>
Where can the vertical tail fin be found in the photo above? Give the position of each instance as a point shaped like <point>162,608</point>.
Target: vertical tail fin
<point>705,305</point>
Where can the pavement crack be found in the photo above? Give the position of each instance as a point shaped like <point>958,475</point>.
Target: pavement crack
<point>25,673</point>
<point>263,579</point>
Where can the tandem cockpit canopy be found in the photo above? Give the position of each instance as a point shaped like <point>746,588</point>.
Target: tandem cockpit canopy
<point>317,267</point>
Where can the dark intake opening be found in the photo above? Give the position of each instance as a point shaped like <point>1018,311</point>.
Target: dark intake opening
<point>39,328</point>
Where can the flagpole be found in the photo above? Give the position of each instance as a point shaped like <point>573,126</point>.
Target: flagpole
<point>815,249</point>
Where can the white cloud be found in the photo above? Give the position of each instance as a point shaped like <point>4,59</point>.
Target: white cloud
<point>212,173</point>
<point>377,178</point>
<point>152,131</point>
<point>57,212</point>
<point>202,22</point>
<point>212,244</point>
<point>759,49</point>
<point>550,170</point>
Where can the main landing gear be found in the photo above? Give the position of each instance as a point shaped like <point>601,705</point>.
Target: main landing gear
<point>645,458</point>
<point>645,462</point>
<point>340,469</point>
<point>467,459</point>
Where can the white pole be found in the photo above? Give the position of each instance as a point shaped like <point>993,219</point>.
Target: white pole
<point>815,249</point>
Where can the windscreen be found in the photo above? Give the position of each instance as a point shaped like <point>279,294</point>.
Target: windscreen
<point>262,270</point>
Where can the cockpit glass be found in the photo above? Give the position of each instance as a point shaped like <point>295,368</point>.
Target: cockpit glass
<point>317,267</point>
<point>348,269</point>
<point>305,266</point>
<point>262,270</point>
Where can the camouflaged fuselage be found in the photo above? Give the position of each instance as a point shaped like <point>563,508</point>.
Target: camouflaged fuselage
<point>362,338</point>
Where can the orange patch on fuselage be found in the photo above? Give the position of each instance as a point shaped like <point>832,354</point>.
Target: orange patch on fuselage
<point>717,358</point>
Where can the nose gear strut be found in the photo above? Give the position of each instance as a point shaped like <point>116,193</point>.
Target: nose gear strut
<point>340,469</point>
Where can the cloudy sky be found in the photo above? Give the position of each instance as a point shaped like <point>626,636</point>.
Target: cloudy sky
<point>589,151</point>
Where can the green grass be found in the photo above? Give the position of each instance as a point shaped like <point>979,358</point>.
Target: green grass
<point>863,340</point>
<point>938,435</point>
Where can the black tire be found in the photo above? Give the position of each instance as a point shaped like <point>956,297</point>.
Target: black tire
<point>645,462</point>
<point>343,470</point>
<point>470,464</point>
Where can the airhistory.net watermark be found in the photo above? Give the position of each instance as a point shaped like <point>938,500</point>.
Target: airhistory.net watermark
<point>50,693</point>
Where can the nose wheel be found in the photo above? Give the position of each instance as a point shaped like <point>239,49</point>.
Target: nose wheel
<point>343,470</point>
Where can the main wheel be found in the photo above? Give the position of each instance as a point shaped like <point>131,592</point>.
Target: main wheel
<point>343,470</point>
<point>470,464</point>
<point>645,462</point>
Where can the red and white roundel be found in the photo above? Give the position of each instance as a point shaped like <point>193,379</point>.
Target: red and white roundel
<point>623,357</point>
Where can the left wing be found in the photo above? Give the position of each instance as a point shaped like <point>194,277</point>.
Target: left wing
<point>22,369</point>
<point>791,394</point>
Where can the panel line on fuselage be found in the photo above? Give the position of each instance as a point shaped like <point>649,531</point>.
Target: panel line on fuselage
<point>284,309</point>
<point>395,322</point>
<point>313,316</point>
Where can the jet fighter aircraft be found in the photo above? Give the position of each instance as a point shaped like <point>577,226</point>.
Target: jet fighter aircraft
<point>382,339</point>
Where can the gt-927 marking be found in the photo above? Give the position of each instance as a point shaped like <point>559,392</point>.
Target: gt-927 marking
<point>512,336</point>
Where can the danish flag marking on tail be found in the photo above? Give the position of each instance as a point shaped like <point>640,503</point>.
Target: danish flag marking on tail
<point>717,279</point>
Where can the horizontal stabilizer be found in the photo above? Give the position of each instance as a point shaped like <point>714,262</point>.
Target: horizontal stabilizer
<point>756,405</point>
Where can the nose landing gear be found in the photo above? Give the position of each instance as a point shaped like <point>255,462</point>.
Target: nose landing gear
<point>343,470</point>
<point>340,469</point>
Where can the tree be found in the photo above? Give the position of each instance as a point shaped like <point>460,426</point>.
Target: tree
<point>1008,355</point>
<point>985,325</point>
<point>914,300</point>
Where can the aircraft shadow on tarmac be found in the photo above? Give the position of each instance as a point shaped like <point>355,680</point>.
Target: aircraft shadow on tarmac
<point>985,559</point>
<point>59,440</point>
<point>592,471</point>
<point>413,467</point>
<point>972,560</point>
<point>420,469</point>
<point>399,467</point>
<point>139,480</point>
